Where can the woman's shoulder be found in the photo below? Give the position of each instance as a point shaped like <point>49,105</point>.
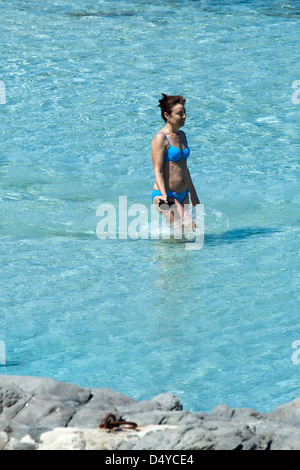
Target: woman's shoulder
<point>159,138</point>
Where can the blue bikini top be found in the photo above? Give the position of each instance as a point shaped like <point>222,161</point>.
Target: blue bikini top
<point>174,154</point>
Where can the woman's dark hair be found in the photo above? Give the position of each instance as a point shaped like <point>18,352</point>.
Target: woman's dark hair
<point>167,103</point>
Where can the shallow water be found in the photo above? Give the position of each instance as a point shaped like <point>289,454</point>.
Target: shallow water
<point>143,317</point>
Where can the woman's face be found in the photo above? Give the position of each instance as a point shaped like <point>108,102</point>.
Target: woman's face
<point>177,117</point>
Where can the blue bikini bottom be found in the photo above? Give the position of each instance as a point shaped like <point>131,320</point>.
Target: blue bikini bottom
<point>179,196</point>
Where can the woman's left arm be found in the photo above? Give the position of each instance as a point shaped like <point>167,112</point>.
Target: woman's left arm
<point>192,190</point>
<point>191,187</point>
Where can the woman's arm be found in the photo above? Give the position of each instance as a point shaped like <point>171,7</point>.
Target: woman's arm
<point>158,149</point>
<point>191,187</point>
<point>192,190</point>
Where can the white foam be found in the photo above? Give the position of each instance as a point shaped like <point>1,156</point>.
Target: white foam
<point>214,220</point>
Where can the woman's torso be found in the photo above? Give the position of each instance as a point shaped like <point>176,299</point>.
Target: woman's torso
<point>175,171</point>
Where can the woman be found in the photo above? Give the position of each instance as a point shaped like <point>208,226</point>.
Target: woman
<point>170,151</point>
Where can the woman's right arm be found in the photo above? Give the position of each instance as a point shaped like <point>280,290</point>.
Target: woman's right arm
<point>158,149</point>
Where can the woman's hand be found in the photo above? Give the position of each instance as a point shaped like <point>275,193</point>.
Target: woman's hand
<point>194,199</point>
<point>163,200</point>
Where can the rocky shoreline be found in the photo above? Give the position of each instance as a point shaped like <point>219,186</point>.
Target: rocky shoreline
<point>43,414</point>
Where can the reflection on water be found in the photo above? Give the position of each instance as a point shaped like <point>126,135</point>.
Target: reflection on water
<point>9,364</point>
<point>172,261</point>
<point>238,235</point>
<point>278,8</point>
<point>102,13</point>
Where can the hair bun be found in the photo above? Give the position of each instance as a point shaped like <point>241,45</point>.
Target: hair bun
<point>161,101</point>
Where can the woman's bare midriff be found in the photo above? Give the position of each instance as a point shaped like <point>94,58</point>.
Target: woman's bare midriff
<point>175,176</point>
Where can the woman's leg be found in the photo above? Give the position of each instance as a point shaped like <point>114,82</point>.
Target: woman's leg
<point>186,216</point>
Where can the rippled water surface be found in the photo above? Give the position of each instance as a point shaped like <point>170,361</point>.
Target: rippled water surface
<point>82,81</point>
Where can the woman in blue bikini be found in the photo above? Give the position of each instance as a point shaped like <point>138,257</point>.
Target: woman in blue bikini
<point>170,151</point>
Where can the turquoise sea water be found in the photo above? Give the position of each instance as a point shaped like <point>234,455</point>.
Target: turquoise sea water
<point>148,316</point>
